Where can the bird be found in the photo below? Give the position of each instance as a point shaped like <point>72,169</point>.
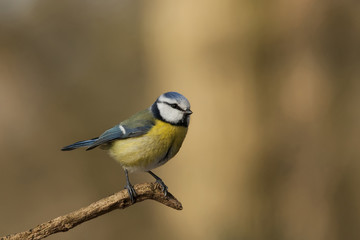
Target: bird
<point>146,140</point>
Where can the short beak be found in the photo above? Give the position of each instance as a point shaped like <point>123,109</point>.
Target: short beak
<point>188,112</point>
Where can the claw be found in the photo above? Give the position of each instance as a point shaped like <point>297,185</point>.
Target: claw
<point>130,188</point>
<point>164,188</point>
<point>131,192</point>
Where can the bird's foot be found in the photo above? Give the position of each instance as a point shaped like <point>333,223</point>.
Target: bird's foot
<point>131,192</point>
<point>164,188</point>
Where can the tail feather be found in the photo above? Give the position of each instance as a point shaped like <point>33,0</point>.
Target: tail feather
<point>79,144</point>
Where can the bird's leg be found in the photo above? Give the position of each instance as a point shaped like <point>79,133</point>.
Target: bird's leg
<point>130,188</point>
<point>159,181</point>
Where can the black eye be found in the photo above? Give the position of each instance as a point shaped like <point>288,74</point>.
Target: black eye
<point>175,106</point>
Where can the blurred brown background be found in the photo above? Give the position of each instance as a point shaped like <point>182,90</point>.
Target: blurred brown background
<point>273,146</point>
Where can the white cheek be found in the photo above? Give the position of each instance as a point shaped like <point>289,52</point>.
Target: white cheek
<point>169,114</point>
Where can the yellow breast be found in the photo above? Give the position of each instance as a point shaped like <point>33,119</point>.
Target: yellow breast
<point>151,150</point>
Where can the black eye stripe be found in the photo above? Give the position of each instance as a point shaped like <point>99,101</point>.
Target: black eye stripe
<point>173,105</point>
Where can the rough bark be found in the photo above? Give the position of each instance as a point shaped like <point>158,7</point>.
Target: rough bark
<point>118,200</point>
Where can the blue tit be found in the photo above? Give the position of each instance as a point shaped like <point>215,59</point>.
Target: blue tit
<point>147,139</point>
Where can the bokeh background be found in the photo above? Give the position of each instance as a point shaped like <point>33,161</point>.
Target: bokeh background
<point>273,146</point>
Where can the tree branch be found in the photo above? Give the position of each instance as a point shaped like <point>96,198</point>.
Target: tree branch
<point>118,200</point>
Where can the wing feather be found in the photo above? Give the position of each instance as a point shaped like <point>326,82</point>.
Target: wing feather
<point>137,125</point>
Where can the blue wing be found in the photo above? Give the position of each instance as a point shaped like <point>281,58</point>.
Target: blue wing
<point>119,132</point>
<point>137,125</point>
